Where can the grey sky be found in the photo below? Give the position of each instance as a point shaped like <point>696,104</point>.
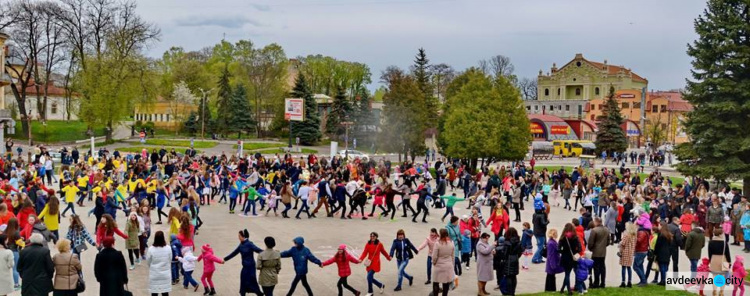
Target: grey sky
<point>650,37</point>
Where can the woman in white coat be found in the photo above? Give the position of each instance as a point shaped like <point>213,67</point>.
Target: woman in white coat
<point>159,258</point>
<point>6,267</point>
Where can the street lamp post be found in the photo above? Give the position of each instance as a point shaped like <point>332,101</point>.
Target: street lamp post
<point>204,100</point>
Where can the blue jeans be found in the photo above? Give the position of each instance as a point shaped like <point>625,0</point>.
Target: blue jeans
<point>693,267</point>
<point>175,271</point>
<point>189,279</point>
<point>579,286</point>
<point>638,267</point>
<point>629,271</point>
<point>448,210</point>
<point>566,280</point>
<point>402,271</point>
<point>602,209</point>
<point>371,280</point>
<point>429,268</point>
<point>71,207</point>
<point>596,207</point>
<point>304,208</point>
<point>540,241</point>
<point>15,269</point>
<point>250,204</point>
<point>663,270</point>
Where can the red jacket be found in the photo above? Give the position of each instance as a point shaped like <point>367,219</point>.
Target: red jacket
<point>101,233</point>
<point>342,262</point>
<point>620,210</point>
<point>498,221</point>
<point>372,252</point>
<point>642,240</point>
<point>475,227</point>
<point>581,239</point>
<point>23,216</point>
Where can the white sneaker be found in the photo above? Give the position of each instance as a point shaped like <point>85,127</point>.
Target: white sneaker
<point>132,267</point>
<point>467,268</point>
<point>382,289</point>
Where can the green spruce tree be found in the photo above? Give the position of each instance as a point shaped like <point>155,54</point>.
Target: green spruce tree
<point>365,124</point>
<point>611,137</point>
<point>341,111</point>
<point>241,119</point>
<point>192,124</point>
<point>720,93</point>
<point>224,108</point>
<point>422,76</point>
<point>308,131</point>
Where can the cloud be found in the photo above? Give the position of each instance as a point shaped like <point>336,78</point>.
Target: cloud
<point>261,7</point>
<point>231,22</point>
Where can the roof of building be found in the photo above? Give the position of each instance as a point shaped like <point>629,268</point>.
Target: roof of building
<point>545,117</point>
<point>674,99</point>
<point>612,69</point>
<point>52,90</point>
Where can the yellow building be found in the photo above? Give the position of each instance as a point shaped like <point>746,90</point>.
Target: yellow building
<point>164,114</point>
<point>5,80</point>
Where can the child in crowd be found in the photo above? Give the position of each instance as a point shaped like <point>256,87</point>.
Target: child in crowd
<point>526,244</point>
<point>582,272</point>
<point>342,258</point>
<point>188,266</point>
<point>176,252</point>
<point>726,227</point>
<point>300,255</point>
<point>739,272</point>
<point>209,266</point>
<point>272,199</point>
<point>466,248</point>
<point>703,272</point>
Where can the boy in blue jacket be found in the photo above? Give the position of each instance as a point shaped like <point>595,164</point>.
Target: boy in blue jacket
<point>176,246</point>
<point>300,255</point>
<point>466,248</point>
<point>582,272</point>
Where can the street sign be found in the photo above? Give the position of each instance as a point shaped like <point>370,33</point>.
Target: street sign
<point>294,109</point>
<point>355,143</point>
<point>297,140</point>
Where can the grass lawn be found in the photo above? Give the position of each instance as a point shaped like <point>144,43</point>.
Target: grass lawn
<point>569,169</point>
<point>138,149</point>
<point>178,143</point>
<point>56,131</point>
<point>259,146</point>
<point>635,291</point>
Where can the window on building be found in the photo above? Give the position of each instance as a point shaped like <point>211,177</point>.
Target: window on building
<point>654,108</point>
<point>593,107</point>
<point>600,107</point>
<point>167,117</point>
<point>578,91</point>
<point>664,126</point>
<point>596,91</point>
<point>558,91</point>
<point>567,107</point>
<point>663,108</point>
<point>625,105</point>
<point>559,107</point>
<point>528,108</point>
<point>551,107</point>
<point>536,108</point>
<point>161,117</point>
<point>637,105</point>
<point>593,117</point>
<point>54,108</point>
<point>546,92</point>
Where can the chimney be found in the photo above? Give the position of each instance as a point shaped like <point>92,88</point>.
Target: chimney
<point>579,56</point>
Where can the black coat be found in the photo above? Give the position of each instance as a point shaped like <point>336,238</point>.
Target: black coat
<point>539,220</point>
<point>513,254</point>
<point>110,272</point>
<point>569,247</point>
<point>662,249</point>
<point>36,269</point>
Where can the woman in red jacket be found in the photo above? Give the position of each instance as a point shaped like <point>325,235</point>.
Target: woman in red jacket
<point>371,259</point>
<point>342,259</point>
<point>499,220</point>
<point>23,215</point>
<point>107,228</point>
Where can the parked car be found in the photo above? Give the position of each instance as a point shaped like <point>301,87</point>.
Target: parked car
<point>354,154</point>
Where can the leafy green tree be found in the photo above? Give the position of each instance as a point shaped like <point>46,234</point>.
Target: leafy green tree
<point>223,101</point>
<point>341,111</point>
<point>325,74</point>
<point>240,116</point>
<point>307,130</point>
<point>610,137</point>
<point>405,119</point>
<point>719,91</point>
<point>423,78</point>
<point>486,119</point>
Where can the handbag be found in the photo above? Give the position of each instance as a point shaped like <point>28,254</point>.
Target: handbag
<point>570,249</point>
<point>127,292</point>
<point>368,261</point>
<point>80,284</point>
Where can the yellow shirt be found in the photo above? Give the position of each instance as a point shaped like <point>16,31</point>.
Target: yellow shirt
<point>151,186</point>
<point>52,221</point>
<point>83,181</point>
<point>174,227</point>
<point>133,184</point>
<point>70,193</point>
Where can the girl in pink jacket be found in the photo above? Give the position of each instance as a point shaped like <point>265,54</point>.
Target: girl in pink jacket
<point>209,266</point>
<point>739,272</point>
<point>342,260</point>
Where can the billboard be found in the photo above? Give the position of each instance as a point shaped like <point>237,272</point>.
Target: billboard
<point>294,109</point>
<point>536,128</point>
<point>559,130</point>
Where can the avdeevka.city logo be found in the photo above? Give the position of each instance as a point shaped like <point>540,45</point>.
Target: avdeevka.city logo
<point>701,281</point>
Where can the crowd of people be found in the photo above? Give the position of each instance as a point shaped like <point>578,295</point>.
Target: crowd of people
<point>649,220</point>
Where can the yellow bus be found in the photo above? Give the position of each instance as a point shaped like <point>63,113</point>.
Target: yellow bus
<point>573,148</point>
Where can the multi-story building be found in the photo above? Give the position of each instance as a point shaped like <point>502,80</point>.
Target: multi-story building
<point>6,122</point>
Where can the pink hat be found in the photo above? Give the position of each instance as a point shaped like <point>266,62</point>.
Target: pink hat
<point>342,247</point>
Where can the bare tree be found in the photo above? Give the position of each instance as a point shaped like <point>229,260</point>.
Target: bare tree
<point>8,14</point>
<point>527,87</point>
<point>50,55</point>
<point>26,35</point>
<point>498,65</point>
<point>442,75</point>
